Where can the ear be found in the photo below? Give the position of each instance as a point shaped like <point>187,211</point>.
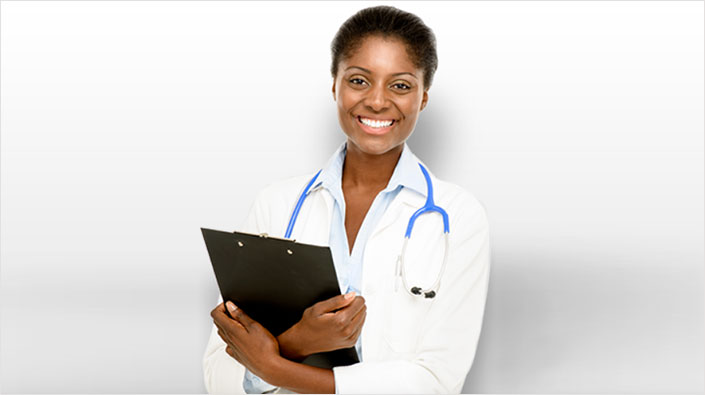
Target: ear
<point>333,90</point>
<point>424,100</point>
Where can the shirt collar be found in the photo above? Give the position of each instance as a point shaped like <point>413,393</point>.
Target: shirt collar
<point>406,173</point>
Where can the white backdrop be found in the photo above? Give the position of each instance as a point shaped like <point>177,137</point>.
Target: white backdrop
<point>127,126</point>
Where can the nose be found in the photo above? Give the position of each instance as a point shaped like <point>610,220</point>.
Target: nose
<point>376,98</point>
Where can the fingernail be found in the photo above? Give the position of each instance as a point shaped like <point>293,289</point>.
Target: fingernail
<point>231,306</point>
<point>350,295</point>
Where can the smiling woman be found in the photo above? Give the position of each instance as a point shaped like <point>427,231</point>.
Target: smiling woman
<point>364,204</point>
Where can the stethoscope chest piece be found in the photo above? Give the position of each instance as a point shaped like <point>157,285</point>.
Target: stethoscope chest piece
<point>401,276</point>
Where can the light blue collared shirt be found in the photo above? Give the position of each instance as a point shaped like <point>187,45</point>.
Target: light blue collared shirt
<point>348,265</point>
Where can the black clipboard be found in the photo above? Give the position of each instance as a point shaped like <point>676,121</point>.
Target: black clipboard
<point>274,280</point>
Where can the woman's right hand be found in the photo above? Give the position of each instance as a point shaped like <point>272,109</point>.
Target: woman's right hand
<point>328,325</point>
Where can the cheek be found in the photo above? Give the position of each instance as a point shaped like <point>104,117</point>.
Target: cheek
<point>346,103</point>
<point>411,108</point>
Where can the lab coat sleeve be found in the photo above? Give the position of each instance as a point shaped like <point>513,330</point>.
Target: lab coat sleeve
<point>451,329</point>
<point>222,373</point>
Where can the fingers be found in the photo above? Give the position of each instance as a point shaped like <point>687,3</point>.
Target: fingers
<point>223,333</point>
<point>359,318</point>
<point>243,319</point>
<point>353,327</point>
<point>223,321</point>
<point>334,303</point>
<point>220,318</point>
<point>360,321</point>
<point>219,309</point>
<point>351,310</point>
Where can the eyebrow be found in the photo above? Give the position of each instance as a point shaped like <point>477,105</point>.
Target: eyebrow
<point>369,72</point>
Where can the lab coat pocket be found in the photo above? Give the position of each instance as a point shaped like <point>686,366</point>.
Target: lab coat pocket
<point>403,319</point>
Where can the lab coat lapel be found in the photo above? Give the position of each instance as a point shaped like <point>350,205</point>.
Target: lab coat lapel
<point>405,201</point>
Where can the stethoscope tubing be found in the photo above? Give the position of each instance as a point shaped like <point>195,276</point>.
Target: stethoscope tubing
<point>297,208</point>
<point>400,270</point>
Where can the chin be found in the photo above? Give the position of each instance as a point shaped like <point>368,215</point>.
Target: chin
<point>374,146</point>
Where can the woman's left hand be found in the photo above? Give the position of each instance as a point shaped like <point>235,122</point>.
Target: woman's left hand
<point>248,341</point>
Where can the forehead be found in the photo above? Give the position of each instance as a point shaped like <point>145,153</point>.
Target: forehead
<point>381,55</point>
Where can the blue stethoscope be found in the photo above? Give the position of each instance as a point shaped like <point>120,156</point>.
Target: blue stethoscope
<point>400,272</point>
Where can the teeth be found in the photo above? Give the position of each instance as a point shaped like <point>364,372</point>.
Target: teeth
<point>374,123</point>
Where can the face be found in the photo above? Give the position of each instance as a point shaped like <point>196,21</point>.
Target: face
<point>379,94</point>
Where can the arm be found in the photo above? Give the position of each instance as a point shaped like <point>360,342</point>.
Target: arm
<point>301,378</point>
<point>451,330</point>
<point>327,325</point>
<point>253,346</point>
<point>331,324</point>
<point>224,374</point>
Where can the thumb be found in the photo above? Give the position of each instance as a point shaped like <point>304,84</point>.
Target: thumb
<point>239,315</point>
<point>336,302</point>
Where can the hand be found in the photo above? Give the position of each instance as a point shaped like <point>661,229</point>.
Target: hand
<point>329,325</point>
<point>247,341</point>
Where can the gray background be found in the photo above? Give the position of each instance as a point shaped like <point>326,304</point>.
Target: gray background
<point>126,126</point>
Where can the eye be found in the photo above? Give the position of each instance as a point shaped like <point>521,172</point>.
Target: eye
<point>402,86</point>
<point>352,80</point>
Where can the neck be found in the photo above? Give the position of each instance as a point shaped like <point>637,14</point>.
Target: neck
<point>362,170</point>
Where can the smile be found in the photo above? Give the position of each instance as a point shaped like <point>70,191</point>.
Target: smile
<point>375,123</point>
<point>375,126</point>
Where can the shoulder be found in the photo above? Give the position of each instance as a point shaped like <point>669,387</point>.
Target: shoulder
<point>457,201</point>
<point>274,203</point>
<point>284,189</point>
<point>462,206</point>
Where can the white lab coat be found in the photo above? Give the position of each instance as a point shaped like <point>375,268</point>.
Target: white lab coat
<point>409,344</point>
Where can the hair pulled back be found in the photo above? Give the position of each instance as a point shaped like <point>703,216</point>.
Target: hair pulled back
<point>387,21</point>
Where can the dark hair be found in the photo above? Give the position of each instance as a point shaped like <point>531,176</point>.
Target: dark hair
<point>387,21</point>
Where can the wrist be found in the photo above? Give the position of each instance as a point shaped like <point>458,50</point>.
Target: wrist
<point>271,373</point>
<point>290,346</point>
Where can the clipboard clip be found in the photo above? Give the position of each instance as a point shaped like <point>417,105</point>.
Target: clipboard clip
<point>288,250</point>
<point>265,235</point>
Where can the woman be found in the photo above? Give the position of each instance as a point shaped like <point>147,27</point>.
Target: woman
<point>360,205</point>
